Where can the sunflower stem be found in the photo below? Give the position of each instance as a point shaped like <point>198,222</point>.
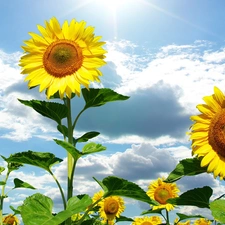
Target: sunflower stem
<point>60,189</point>
<point>167,218</point>
<point>70,160</point>
<point>3,196</point>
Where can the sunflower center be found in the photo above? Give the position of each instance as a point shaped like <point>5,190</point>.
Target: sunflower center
<point>111,207</point>
<point>162,194</point>
<point>62,58</point>
<point>217,133</point>
<point>146,223</point>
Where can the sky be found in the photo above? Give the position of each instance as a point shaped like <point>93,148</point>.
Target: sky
<point>165,55</point>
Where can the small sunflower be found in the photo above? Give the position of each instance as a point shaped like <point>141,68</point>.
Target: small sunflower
<point>110,208</point>
<point>208,134</point>
<point>62,58</point>
<point>10,220</point>
<point>97,196</point>
<point>152,220</point>
<point>181,223</point>
<point>202,221</point>
<point>161,192</point>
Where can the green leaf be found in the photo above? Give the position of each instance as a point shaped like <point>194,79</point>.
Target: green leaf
<point>150,211</point>
<point>196,197</point>
<point>87,136</point>
<point>92,148</point>
<point>124,218</point>
<point>118,186</point>
<point>1,169</point>
<point>37,209</point>
<point>21,184</point>
<point>69,148</point>
<point>184,217</point>
<point>52,110</point>
<point>43,160</point>
<point>16,211</point>
<point>186,167</point>
<point>218,210</point>
<point>97,97</point>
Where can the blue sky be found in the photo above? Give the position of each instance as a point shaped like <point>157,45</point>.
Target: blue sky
<point>165,55</point>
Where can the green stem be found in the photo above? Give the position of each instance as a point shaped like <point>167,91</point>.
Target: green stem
<point>167,218</point>
<point>88,210</point>
<point>70,161</point>
<point>3,196</point>
<point>60,189</point>
<point>75,121</point>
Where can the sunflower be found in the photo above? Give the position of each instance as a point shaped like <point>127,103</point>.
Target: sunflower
<point>152,220</point>
<point>208,134</point>
<point>110,207</point>
<point>161,192</point>
<point>62,59</point>
<point>181,223</point>
<point>202,221</point>
<point>10,220</point>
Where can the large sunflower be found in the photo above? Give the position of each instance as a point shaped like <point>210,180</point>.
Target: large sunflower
<point>161,192</point>
<point>62,59</point>
<point>10,220</point>
<point>152,220</point>
<point>202,221</point>
<point>208,133</point>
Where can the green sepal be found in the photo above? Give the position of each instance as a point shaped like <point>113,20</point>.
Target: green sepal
<point>217,208</point>
<point>44,160</point>
<point>69,148</point>
<point>21,184</point>
<point>92,147</point>
<point>57,96</point>
<point>117,186</point>
<point>196,197</point>
<point>52,110</point>
<point>37,209</point>
<point>97,97</point>
<point>186,167</point>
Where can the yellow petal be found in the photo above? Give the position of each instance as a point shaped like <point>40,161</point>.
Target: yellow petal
<point>219,96</point>
<point>208,158</point>
<point>205,110</point>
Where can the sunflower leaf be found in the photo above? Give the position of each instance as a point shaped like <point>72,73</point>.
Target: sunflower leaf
<point>97,97</point>
<point>184,217</point>
<point>69,148</point>
<point>44,160</point>
<point>92,147</point>
<point>218,210</point>
<point>21,184</point>
<point>123,218</point>
<point>1,169</point>
<point>150,211</point>
<point>118,186</point>
<point>52,110</point>
<point>186,167</point>
<point>37,209</point>
<point>196,197</point>
<point>87,136</point>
